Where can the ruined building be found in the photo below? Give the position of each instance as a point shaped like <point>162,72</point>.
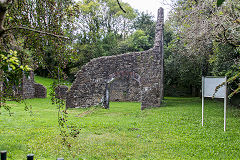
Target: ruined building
<point>136,76</point>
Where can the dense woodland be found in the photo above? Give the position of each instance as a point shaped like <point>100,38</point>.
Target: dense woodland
<point>56,37</point>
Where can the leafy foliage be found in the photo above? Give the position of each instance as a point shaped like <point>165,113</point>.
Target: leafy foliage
<point>11,75</point>
<point>36,27</point>
<point>138,41</point>
<point>99,26</point>
<point>145,22</point>
<point>36,30</point>
<point>211,33</point>
<point>219,2</point>
<point>66,130</point>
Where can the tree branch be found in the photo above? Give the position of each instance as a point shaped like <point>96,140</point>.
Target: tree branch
<point>229,40</point>
<point>121,6</point>
<point>37,31</point>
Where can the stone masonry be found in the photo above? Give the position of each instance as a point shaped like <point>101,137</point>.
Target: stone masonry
<point>40,91</point>
<point>144,70</point>
<point>125,89</point>
<point>61,91</point>
<point>27,86</point>
<point>30,89</point>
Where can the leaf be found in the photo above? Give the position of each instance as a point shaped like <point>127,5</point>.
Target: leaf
<point>237,21</point>
<point>12,66</point>
<point>219,2</point>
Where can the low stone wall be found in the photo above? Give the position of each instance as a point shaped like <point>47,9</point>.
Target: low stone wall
<point>61,91</point>
<point>40,91</point>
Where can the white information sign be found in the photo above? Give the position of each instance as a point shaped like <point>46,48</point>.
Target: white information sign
<point>209,85</point>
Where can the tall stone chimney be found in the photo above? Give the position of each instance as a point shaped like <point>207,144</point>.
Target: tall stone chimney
<point>158,46</point>
<point>159,28</point>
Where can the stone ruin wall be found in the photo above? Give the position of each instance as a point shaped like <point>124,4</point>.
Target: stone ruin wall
<point>40,91</point>
<point>89,86</point>
<point>27,86</point>
<point>30,89</point>
<point>125,89</point>
<point>61,91</point>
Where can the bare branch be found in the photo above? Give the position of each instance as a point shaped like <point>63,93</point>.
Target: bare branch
<point>121,6</point>
<point>37,31</point>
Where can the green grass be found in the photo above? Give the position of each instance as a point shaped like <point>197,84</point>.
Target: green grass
<point>173,131</point>
<point>47,82</point>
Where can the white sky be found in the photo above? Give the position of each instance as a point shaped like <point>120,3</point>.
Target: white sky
<point>149,6</point>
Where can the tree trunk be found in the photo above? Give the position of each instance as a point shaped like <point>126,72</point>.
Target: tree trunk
<point>3,11</point>
<point>4,4</point>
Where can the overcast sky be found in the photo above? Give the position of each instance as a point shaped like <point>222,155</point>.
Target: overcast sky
<point>150,6</point>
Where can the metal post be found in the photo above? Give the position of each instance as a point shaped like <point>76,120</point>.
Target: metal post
<point>202,98</point>
<point>225,104</point>
<point>30,156</point>
<point>3,155</point>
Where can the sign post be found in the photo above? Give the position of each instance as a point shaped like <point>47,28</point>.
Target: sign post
<point>209,85</point>
<point>202,99</point>
<point>225,105</point>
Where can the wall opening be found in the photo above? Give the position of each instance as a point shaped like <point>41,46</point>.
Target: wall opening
<point>122,86</point>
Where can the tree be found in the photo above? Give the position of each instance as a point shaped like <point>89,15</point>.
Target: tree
<point>182,72</point>
<point>202,28</point>
<point>32,32</point>
<point>138,41</point>
<point>103,16</point>
<point>100,24</point>
<point>145,22</point>
<point>36,27</point>
<point>28,28</point>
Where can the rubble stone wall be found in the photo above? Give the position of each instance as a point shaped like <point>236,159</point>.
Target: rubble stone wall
<point>125,89</point>
<point>40,91</point>
<point>61,91</point>
<point>30,89</point>
<point>90,84</point>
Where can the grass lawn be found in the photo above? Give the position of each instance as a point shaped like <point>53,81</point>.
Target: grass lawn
<point>173,131</point>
